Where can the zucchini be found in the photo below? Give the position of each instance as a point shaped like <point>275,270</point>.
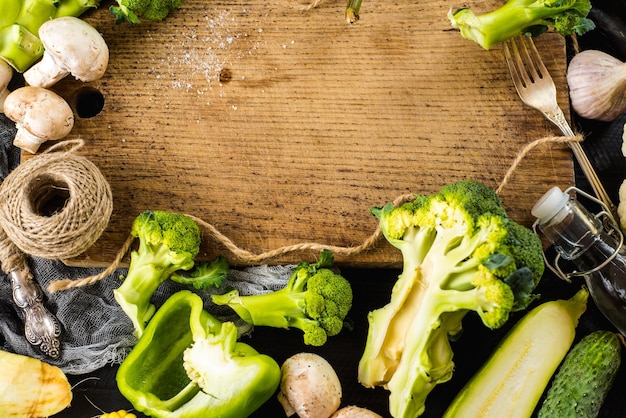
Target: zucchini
<point>515,376</point>
<point>585,377</point>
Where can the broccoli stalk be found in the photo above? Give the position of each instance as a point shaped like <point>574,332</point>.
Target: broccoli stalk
<point>461,253</point>
<point>20,20</point>
<point>133,11</point>
<point>315,300</point>
<point>528,17</point>
<point>167,242</point>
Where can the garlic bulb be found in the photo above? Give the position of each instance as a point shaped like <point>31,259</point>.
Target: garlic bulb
<point>597,85</point>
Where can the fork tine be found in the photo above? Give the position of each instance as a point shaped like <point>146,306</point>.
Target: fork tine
<point>510,56</point>
<point>522,60</point>
<point>533,59</point>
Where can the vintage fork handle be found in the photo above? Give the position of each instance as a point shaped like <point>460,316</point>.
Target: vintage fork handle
<point>41,328</point>
<point>557,117</point>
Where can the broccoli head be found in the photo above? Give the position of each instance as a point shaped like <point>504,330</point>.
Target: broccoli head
<point>315,300</point>
<point>133,11</point>
<point>523,17</point>
<point>460,253</point>
<point>167,242</point>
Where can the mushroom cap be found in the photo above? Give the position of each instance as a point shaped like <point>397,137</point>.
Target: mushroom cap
<point>40,111</point>
<point>309,386</point>
<point>353,411</point>
<point>75,46</point>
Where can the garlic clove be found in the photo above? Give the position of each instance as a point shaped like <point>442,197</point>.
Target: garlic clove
<point>597,85</point>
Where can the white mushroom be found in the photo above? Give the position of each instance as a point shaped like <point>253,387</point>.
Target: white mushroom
<point>355,412</point>
<point>6,73</point>
<point>309,387</point>
<point>39,115</point>
<point>71,46</point>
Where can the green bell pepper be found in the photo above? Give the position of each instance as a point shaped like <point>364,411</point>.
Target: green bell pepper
<point>189,364</point>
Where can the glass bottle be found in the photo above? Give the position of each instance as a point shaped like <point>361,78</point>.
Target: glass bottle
<point>594,247</point>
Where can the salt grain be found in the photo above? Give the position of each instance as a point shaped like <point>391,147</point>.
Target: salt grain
<point>194,63</point>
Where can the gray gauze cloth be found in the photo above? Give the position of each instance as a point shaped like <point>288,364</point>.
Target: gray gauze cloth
<point>96,331</point>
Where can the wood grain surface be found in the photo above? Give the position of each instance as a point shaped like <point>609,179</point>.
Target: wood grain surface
<point>279,125</point>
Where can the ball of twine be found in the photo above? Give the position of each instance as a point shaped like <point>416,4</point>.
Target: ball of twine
<point>55,205</point>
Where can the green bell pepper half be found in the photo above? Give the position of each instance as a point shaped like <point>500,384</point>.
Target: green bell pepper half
<point>153,377</point>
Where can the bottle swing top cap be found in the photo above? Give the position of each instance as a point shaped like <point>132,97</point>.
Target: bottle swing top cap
<point>550,204</point>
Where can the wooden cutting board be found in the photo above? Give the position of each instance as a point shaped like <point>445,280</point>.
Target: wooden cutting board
<point>279,125</point>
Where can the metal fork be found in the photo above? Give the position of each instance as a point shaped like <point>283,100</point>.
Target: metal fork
<point>536,88</point>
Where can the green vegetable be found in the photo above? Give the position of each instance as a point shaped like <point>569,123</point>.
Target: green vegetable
<point>167,242</point>
<point>461,253</point>
<point>189,364</point>
<point>20,20</point>
<point>133,11</point>
<point>315,300</point>
<point>204,275</point>
<point>352,11</point>
<point>513,379</point>
<point>523,17</point>
<point>585,377</point>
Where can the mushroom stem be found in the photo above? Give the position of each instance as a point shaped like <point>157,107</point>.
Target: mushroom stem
<point>3,95</point>
<point>6,73</point>
<point>26,140</point>
<point>45,73</point>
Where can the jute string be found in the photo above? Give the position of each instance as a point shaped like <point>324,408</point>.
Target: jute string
<point>242,255</point>
<point>54,206</point>
<point>11,258</point>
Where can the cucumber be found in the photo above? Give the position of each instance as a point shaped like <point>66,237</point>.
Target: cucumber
<point>585,377</point>
<point>512,381</point>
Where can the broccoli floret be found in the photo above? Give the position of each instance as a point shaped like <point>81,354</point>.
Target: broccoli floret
<point>315,300</point>
<point>523,17</point>
<point>167,242</point>
<point>133,11</point>
<point>460,253</point>
<point>204,275</point>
